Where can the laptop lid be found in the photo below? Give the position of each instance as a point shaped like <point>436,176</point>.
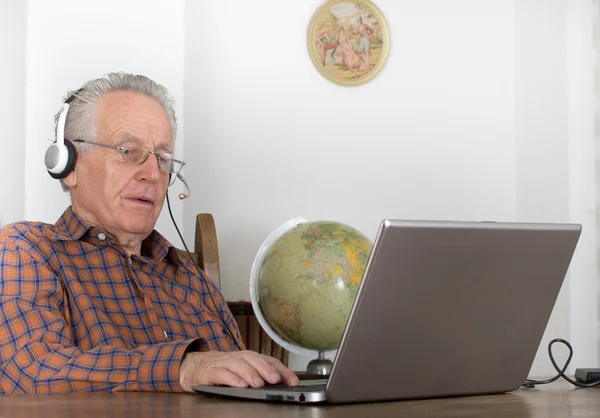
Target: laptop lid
<point>444,309</point>
<point>450,308</point>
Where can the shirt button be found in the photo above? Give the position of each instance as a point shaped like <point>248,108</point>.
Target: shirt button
<point>101,236</point>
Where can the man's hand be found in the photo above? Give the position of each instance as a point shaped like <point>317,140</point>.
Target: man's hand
<point>236,368</point>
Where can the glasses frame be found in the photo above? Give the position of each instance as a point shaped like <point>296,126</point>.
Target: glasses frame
<point>144,157</point>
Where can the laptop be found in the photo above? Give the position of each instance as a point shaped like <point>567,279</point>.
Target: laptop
<point>444,309</point>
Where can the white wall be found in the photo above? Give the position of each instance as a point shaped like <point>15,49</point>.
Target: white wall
<point>541,133</point>
<point>555,156</point>
<point>70,42</point>
<point>583,275</point>
<point>596,89</point>
<point>432,137</point>
<point>12,109</point>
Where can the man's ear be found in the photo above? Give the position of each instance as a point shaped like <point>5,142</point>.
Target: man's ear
<point>71,180</point>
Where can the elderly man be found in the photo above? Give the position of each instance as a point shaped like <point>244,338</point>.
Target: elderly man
<point>100,300</point>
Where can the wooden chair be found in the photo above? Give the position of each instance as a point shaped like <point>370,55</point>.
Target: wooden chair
<point>206,255</point>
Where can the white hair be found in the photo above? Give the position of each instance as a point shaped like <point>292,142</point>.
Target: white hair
<point>82,120</point>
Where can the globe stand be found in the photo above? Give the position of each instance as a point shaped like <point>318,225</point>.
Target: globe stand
<point>320,365</point>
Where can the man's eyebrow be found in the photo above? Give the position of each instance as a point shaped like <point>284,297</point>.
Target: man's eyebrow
<point>167,147</point>
<point>127,137</point>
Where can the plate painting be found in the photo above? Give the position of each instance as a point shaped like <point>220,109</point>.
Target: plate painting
<point>349,41</point>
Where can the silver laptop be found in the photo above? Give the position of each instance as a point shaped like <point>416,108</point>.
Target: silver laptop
<point>444,309</point>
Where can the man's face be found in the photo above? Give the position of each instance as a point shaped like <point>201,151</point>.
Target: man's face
<point>124,199</point>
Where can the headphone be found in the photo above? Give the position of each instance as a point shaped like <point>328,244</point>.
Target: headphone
<point>61,156</point>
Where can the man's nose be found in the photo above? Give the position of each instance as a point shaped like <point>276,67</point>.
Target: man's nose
<point>149,170</point>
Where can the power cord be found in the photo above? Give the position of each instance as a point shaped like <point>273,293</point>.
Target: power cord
<point>208,285</point>
<point>561,372</point>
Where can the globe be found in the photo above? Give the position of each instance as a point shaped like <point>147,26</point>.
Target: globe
<point>304,280</point>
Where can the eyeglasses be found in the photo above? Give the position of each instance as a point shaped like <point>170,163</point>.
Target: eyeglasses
<point>166,161</point>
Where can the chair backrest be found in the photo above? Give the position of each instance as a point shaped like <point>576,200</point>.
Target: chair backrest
<point>206,247</point>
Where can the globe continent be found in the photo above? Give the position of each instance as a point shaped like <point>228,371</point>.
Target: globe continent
<point>308,281</point>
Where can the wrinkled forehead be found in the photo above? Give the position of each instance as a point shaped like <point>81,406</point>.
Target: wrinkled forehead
<point>133,117</point>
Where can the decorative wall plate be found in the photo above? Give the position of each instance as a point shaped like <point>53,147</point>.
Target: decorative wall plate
<point>349,41</point>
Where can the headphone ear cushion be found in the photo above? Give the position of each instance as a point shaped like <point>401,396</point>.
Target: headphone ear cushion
<point>70,165</point>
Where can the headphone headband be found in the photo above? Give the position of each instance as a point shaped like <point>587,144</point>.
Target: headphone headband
<point>62,121</point>
<point>73,96</point>
<point>61,156</point>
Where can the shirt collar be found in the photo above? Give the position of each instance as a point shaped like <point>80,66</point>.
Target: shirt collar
<point>71,227</point>
<point>156,247</point>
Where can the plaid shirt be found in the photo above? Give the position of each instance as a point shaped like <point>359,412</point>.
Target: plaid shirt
<point>78,314</point>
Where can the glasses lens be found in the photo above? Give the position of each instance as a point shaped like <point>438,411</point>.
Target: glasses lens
<point>133,156</point>
<point>176,166</point>
<point>167,163</point>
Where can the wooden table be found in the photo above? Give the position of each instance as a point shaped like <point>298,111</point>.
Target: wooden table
<point>556,400</point>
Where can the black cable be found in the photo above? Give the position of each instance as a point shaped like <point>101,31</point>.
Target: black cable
<point>561,372</point>
<point>202,276</point>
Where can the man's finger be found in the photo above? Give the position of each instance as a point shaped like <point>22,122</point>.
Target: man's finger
<point>249,366</point>
<point>262,366</point>
<point>288,376</point>
<point>222,376</point>
<point>272,370</point>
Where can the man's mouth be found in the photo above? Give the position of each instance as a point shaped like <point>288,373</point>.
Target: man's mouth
<point>142,200</point>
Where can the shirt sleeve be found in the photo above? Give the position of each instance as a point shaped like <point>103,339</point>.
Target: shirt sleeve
<point>36,349</point>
